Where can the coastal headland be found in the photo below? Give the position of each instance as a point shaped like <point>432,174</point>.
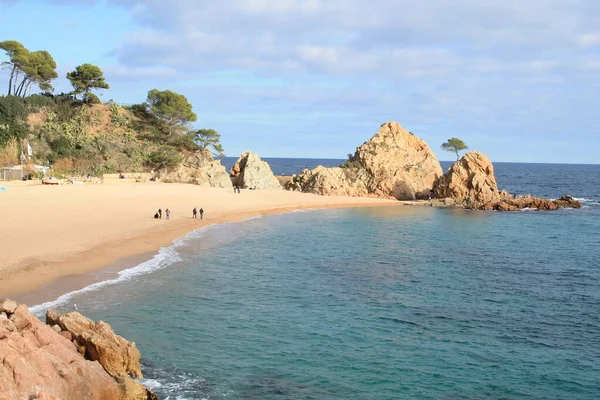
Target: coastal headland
<point>49,232</point>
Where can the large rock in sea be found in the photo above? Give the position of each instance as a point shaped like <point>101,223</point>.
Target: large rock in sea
<point>250,172</point>
<point>470,183</point>
<point>40,363</point>
<point>199,168</point>
<point>394,163</point>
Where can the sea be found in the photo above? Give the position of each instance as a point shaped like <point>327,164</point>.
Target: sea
<point>374,302</point>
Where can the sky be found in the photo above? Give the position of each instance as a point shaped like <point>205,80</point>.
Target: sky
<point>516,80</point>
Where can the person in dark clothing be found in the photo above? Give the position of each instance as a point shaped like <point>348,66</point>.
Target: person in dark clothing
<point>156,216</point>
<point>159,213</point>
<point>201,213</point>
<point>194,212</point>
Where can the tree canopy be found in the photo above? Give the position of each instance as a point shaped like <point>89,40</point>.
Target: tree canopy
<point>172,109</point>
<point>28,68</point>
<point>206,138</point>
<point>85,78</point>
<point>454,145</point>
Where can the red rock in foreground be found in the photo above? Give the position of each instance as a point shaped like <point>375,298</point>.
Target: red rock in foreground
<point>40,362</point>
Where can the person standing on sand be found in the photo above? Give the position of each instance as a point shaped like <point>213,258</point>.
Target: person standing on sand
<point>168,213</point>
<point>201,213</point>
<point>194,212</point>
<point>159,213</point>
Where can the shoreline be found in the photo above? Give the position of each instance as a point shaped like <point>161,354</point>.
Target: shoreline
<point>44,280</point>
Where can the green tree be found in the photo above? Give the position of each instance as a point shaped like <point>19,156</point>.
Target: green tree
<point>40,69</point>
<point>172,109</point>
<point>85,78</point>
<point>18,56</point>
<point>206,138</point>
<point>454,145</point>
<point>28,68</point>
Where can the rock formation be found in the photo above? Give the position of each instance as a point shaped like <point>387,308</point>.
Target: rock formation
<point>40,361</point>
<point>250,172</point>
<point>394,163</point>
<point>470,183</point>
<point>198,168</point>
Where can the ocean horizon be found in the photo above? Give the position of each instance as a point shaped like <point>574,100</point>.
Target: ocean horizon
<point>373,302</point>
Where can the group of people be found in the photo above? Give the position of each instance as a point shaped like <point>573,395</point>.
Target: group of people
<point>195,213</point>
<point>158,214</point>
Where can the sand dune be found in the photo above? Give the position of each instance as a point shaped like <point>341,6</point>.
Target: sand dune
<point>48,232</point>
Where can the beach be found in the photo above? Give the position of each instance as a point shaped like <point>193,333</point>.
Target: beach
<point>52,232</point>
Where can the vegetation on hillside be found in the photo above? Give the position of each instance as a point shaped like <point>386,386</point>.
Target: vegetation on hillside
<point>75,134</point>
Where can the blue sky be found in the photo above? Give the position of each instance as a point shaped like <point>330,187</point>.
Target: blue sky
<point>516,80</point>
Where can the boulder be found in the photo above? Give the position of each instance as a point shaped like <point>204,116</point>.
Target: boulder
<point>250,172</point>
<point>38,363</point>
<point>199,168</point>
<point>118,356</point>
<point>8,306</point>
<point>394,163</point>
<point>470,182</point>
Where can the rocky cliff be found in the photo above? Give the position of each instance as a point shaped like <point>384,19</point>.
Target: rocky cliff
<point>394,163</point>
<point>198,168</point>
<point>250,172</point>
<point>71,358</point>
<point>470,183</point>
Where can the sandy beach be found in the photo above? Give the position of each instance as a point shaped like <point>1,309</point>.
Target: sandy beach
<point>52,232</point>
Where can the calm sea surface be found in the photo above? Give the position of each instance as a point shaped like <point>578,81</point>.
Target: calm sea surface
<point>374,303</point>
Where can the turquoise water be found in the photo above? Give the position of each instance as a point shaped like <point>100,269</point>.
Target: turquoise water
<point>369,303</point>
<point>374,303</point>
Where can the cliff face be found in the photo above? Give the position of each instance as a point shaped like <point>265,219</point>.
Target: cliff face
<point>46,362</point>
<point>249,171</point>
<point>470,183</point>
<point>199,168</point>
<point>394,163</point>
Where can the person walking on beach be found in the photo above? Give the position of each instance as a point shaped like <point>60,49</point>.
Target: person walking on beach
<point>159,213</point>
<point>201,213</point>
<point>194,212</point>
<point>168,213</point>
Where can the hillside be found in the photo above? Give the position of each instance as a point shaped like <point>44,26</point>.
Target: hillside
<point>76,138</point>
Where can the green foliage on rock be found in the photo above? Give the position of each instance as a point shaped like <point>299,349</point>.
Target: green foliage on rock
<point>208,139</point>
<point>454,145</point>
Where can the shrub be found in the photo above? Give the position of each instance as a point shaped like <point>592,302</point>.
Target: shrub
<point>9,155</point>
<point>37,101</point>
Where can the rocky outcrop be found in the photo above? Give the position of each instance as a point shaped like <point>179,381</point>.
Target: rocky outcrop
<point>118,356</point>
<point>394,163</point>
<point>250,172</point>
<point>470,183</point>
<point>332,182</point>
<point>198,168</point>
<point>40,361</point>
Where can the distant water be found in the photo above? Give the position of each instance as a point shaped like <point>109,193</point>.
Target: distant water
<point>375,303</point>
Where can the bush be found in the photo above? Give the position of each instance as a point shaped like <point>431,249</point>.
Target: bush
<point>91,98</point>
<point>37,101</point>
<point>12,109</point>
